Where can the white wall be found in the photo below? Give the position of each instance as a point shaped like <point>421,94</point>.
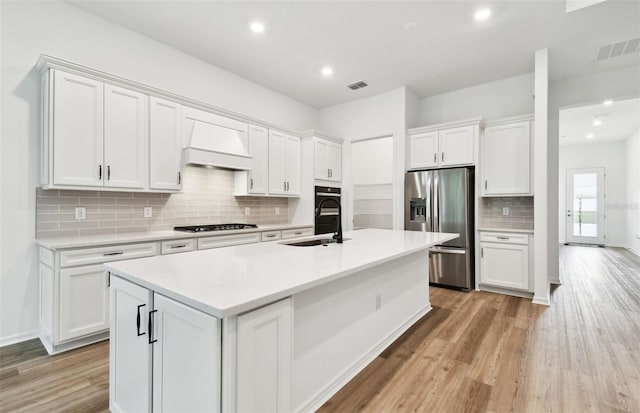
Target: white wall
<point>580,91</point>
<point>499,99</point>
<point>376,116</point>
<point>632,150</point>
<point>58,29</point>
<point>608,155</point>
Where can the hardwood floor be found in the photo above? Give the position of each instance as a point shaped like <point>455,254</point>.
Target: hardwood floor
<point>475,352</point>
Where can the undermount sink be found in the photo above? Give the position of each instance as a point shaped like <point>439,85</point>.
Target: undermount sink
<point>313,242</point>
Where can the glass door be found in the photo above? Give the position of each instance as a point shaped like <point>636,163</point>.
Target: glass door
<point>585,206</point>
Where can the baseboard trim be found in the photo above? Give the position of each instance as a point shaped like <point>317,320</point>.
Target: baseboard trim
<point>506,291</point>
<point>634,251</point>
<point>541,301</point>
<point>18,338</point>
<point>316,401</point>
<point>555,280</point>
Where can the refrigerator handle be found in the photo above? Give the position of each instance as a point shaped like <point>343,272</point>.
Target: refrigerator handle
<point>435,226</point>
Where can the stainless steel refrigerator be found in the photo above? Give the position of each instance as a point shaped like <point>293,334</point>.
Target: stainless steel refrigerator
<point>441,200</point>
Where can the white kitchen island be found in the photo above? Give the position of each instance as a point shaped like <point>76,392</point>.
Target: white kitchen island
<point>261,327</point>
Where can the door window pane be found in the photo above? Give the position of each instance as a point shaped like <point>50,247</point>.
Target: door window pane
<point>585,205</point>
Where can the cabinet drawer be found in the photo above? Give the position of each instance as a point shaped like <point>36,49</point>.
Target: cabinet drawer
<point>271,236</point>
<point>228,240</point>
<point>87,256</point>
<point>177,245</point>
<point>297,232</point>
<point>504,237</point>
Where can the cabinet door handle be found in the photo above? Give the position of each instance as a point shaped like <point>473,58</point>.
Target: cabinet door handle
<point>284,185</point>
<point>178,246</point>
<point>108,254</point>
<point>442,156</point>
<point>250,183</point>
<point>179,177</point>
<point>270,236</point>
<point>150,326</point>
<point>328,172</point>
<point>108,172</point>
<point>435,157</point>
<point>99,172</point>
<point>504,238</point>
<point>297,233</point>
<point>481,252</point>
<point>138,320</point>
<point>485,184</point>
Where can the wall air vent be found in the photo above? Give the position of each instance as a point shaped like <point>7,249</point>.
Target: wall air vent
<point>357,85</point>
<point>625,47</point>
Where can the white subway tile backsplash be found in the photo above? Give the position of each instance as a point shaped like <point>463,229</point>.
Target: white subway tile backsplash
<point>207,198</point>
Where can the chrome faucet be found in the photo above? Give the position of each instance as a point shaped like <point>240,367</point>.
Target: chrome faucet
<point>338,235</point>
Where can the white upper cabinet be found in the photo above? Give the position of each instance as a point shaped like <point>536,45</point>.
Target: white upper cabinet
<point>292,164</point>
<point>444,145</point>
<point>165,144</point>
<point>335,161</point>
<point>284,164</point>
<point>125,138</point>
<point>456,146</point>
<point>423,150</point>
<point>327,160</point>
<point>506,159</point>
<point>77,116</point>
<point>94,134</point>
<point>259,151</point>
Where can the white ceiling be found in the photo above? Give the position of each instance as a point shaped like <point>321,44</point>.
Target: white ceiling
<point>619,121</point>
<point>367,41</point>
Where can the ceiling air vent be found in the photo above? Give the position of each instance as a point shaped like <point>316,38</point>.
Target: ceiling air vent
<point>626,47</point>
<point>357,85</point>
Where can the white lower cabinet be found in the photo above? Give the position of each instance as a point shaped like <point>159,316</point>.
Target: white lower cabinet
<point>84,301</point>
<point>265,359</point>
<point>164,355</point>
<point>504,261</point>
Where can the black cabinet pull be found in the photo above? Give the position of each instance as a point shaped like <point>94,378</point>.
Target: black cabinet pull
<point>138,320</point>
<point>99,172</point>
<point>179,178</point>
<point>150,327</point>
<point>107,254</point>
<point>108,172</point>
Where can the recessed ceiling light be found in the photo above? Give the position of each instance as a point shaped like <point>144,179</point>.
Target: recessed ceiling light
<point>597,122</point>
<point>257,27</point>
<point>608,102</point>
<point>590,136</point>
<point>326,71</point>
<point>482,14</point>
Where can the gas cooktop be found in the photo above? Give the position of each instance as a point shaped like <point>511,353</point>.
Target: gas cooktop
<point>214,227</point>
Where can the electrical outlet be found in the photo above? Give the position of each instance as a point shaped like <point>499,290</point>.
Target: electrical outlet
<point>277,210</point>
<point>505,211</point>
<point>81,213</point>
<point>147,212</point>
<point>247,211</point>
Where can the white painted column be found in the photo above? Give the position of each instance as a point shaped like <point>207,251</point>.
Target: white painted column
<point>540,220</point>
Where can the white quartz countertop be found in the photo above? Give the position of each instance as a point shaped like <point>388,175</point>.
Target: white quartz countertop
<point>126,238</point>
<point>228,281</point>
<point>513,230</point>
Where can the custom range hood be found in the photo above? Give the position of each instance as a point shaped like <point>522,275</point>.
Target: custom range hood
<point>214,140</point>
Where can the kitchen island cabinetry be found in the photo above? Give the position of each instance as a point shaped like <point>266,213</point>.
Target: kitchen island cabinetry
<point>150,334</point>
<point>296,322</point>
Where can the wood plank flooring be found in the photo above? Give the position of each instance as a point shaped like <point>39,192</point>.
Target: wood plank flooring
<point>475,352</point>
